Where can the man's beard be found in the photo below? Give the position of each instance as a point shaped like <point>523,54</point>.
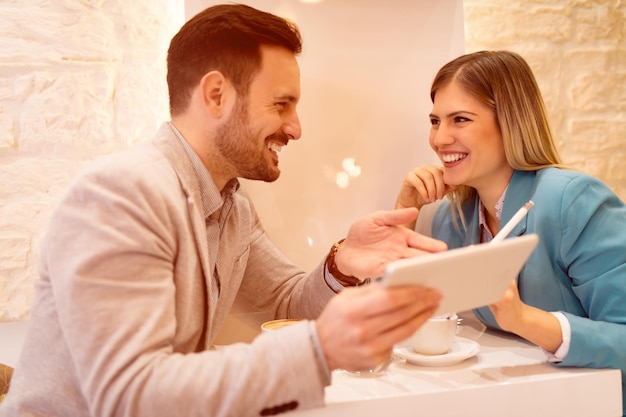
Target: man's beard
<point>238,145</point>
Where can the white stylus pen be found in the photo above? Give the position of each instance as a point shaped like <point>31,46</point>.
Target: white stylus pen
<point>517,217</point>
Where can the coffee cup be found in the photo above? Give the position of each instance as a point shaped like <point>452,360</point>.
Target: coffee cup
<point>436,335</point>
<point>277,324</point>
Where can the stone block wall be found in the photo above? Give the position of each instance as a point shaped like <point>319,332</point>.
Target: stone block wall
<point>577,49</point>
<point>78,78</point>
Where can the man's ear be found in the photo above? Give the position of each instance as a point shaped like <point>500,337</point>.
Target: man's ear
<point>213,88</point>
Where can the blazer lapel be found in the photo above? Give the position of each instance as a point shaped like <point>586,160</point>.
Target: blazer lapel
<point>519,192</point>
<point>169,144</point>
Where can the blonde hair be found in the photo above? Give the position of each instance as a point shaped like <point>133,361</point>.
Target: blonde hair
<point>503,81</point>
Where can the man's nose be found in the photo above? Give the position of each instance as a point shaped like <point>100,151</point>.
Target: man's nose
<point>292,127</point>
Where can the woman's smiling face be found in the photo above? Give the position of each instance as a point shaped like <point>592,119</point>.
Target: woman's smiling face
<point>465,135</point>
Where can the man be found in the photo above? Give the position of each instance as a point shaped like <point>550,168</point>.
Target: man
<point>149,248</point>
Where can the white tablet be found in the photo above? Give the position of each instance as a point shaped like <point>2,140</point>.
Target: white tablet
<point>468,277</point>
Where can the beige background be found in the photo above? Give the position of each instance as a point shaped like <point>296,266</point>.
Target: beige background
<point>365,73</point>
<point>79,78</point>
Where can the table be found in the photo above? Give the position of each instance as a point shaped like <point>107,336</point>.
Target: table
<point>508,378</point>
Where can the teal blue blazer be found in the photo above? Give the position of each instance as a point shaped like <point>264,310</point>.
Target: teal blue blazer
<point>579,266</point>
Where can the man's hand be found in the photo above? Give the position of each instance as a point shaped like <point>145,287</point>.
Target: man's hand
<point>359,327</point>
<point>379,238</point>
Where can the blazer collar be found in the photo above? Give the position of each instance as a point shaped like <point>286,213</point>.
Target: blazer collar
<point>172,148</point>
<point>520,190</point>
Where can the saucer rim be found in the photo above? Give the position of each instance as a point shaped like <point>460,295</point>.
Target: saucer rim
<point>472,348</point>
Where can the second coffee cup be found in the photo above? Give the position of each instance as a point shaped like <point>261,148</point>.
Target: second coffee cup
<point>277,324</point>
<point>435,337</point>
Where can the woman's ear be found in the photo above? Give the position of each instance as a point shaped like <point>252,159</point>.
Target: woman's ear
<point>213,88</point>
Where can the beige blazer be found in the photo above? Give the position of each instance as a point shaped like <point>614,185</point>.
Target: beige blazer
<point>123,322</point>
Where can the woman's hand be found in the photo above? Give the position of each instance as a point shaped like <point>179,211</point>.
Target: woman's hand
<point>422,186</point>
<point>533,324</point>
<point>509,311</point>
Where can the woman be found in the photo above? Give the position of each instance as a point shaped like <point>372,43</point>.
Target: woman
<point>492,135</point>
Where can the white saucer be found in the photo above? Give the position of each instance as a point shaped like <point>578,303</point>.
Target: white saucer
<point>460,350</point>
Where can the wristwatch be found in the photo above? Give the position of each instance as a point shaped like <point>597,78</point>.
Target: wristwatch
<point>345,280</point>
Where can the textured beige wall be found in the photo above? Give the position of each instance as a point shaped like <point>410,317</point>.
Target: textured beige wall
<point>77,78</point>
<point>577,49</point>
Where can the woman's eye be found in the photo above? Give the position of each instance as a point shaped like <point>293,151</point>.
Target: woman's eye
<point>434,122</point>
<point>460,119</point>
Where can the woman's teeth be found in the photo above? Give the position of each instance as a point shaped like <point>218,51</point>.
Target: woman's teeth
<point>453,157</point>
